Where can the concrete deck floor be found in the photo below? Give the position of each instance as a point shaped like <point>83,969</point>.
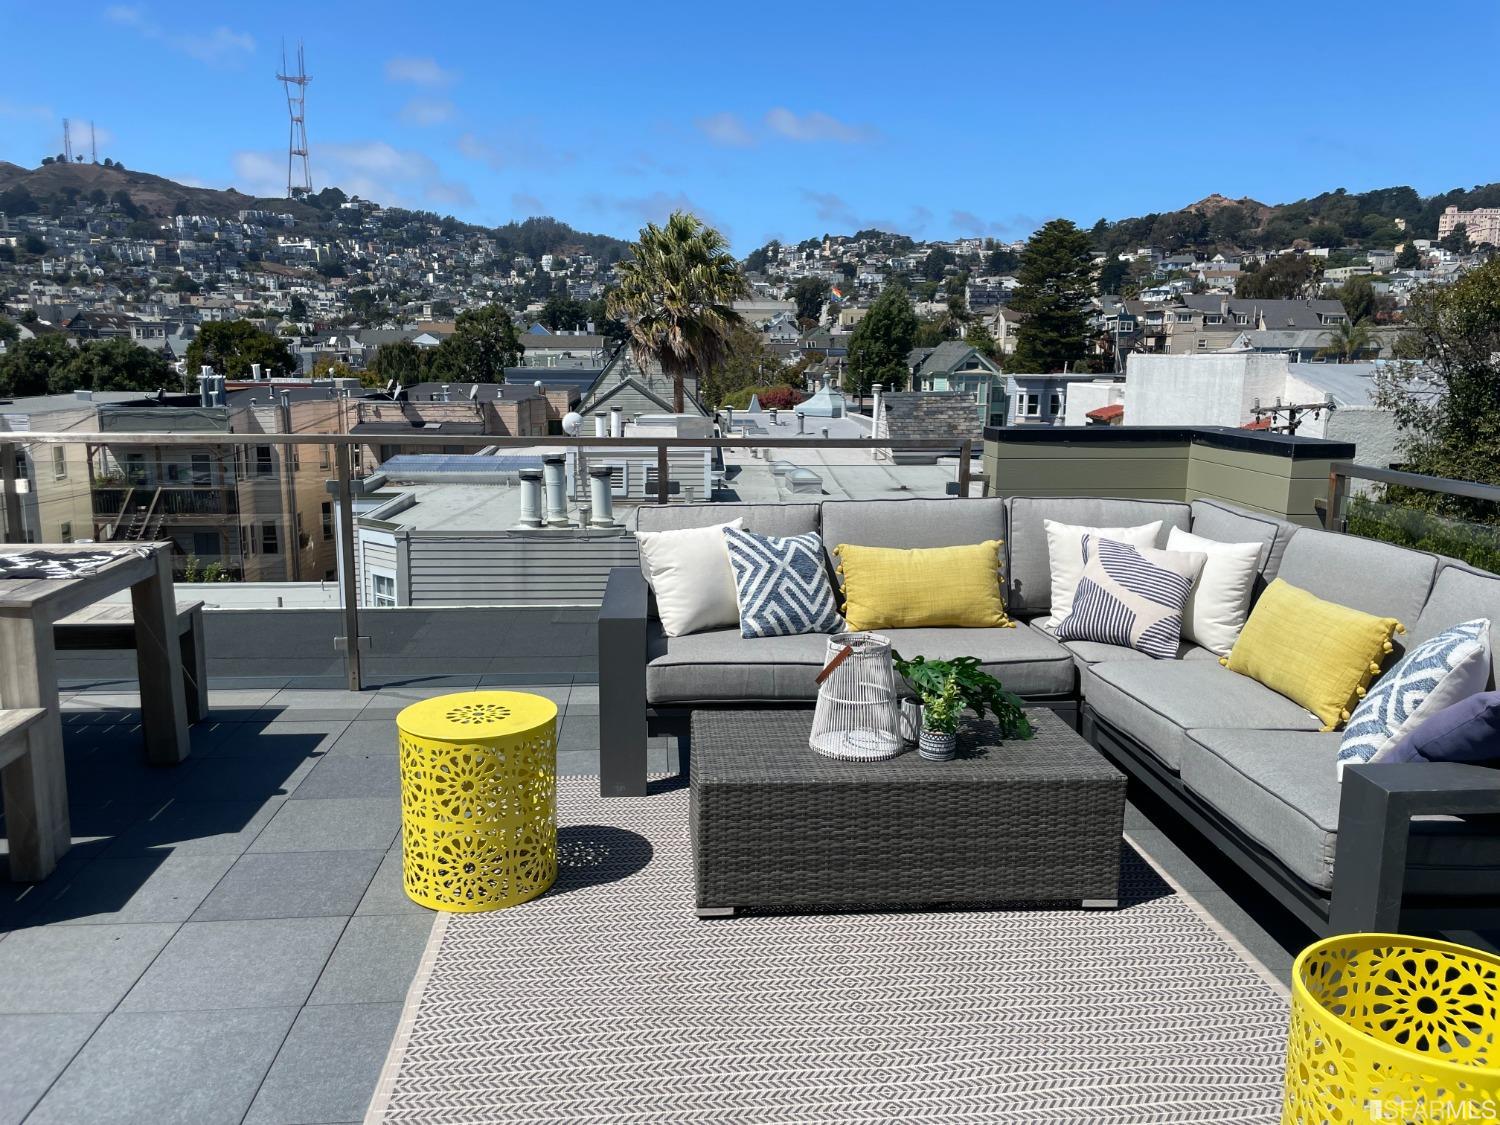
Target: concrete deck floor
<point>228,940</point>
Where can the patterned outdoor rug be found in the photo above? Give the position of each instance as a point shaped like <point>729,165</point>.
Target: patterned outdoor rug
<point>607,1000</point>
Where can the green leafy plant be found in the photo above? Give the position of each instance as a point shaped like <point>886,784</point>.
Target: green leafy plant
<point>941,709</point>
<point>978,691</point>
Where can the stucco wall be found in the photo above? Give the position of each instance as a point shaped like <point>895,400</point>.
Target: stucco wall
<point>1200,390</point>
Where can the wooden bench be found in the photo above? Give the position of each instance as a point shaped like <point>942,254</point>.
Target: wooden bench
<point>107,626</point>
<point>13,727</point>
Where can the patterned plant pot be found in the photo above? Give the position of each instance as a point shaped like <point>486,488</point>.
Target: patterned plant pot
<point>937,746</point>
<point>911,720</point>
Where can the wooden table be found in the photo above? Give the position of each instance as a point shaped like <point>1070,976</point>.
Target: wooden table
<point>35,783</point>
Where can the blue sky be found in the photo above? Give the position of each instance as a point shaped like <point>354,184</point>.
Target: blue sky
<point>774,120</point>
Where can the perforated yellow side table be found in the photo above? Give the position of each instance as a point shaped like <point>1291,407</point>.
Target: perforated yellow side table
<point>478,799</point>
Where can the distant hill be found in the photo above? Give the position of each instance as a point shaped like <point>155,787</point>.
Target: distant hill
<point>53,187</point>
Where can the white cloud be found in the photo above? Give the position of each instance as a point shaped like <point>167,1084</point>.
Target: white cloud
<point>19,112</point>
<point>426,112</point>
<point>419,72</point>
<point>725,129</point>
<point>815,127</point>
<point>513,148</point>
<point>653,208</point>
<point>221,45</point>
<point>522,203</point>
<point>375,170</point>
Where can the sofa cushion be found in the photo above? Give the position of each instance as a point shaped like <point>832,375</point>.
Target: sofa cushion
<point>1092,652</point>
<point>1227,523</point>
<point>1361,573</point>
<point>763,519</point>
<point>1028,569</point>
<point>723,666</point>
<point>1157,702</point>
<point>917,522</point>
<point>1461,593</point>
<point>1281,789</point>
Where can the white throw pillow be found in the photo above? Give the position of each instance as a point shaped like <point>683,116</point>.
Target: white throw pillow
<point>1217,607</point>
<point>690,573</point>
<point>1065,554</point>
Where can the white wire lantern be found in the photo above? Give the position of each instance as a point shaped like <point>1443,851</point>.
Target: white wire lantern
<point>858,715</point>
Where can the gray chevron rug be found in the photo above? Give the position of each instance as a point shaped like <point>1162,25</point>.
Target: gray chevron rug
<point>608,1001</point>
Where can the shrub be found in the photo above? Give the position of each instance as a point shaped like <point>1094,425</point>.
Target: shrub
<point>779,397</point>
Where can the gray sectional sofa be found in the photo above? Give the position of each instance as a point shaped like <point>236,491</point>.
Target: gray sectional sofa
<point>1393,844</point>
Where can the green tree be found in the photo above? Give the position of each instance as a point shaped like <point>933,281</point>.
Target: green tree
<point>1447,405</point>
<point>1346,342</point>
<point>231,346</point>
<point>562,313</point>
<point>28,367</point>
<point>809,293</point>
<point>1113,275</point>
<point>748,364</point>
<point>9,333</point>
<point>400,360</point>
<point>1282,278</point>
<point>1456,241</point>
<point>882,340</point>
<point>297,309</point>
<point>114,365</point>
<point>677,294</point>
<point>1358,298</point>
<point>1056,280</point>
<point>1409,257</point>
<point>979,337</point>
<point>483,344</point>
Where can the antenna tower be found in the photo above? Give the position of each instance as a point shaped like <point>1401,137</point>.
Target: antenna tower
<point>67,141</point>
<point>93,144</point>
<point>296,108</point>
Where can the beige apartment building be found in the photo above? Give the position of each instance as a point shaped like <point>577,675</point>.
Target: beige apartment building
<point>1482,224</point>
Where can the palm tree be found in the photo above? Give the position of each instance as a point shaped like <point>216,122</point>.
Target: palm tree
<point>677,294</point>
<point>1347,341</point>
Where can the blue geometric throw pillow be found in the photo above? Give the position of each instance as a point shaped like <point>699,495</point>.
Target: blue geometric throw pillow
<point>1132,596</point>
<point>1431,676</point>
<point>781,584</point>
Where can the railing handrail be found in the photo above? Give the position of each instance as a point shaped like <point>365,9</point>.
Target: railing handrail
<point>477,441</point>
<point>1445,486</point>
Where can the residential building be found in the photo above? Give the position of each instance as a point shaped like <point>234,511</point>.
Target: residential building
<point>1481,224</point>
<point>956,366</point>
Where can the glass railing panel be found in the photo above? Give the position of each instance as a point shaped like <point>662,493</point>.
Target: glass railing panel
<point>1409,518</point>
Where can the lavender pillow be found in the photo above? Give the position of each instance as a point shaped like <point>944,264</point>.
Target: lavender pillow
<point>1467,731</point>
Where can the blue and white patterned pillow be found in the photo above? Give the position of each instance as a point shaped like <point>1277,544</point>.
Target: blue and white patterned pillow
<point>781,584</point>
<point>1439,672</point>
<point>1131,596</point>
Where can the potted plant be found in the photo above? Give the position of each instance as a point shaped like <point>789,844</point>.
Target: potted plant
<point>940,711</point>
<point>978,691</point>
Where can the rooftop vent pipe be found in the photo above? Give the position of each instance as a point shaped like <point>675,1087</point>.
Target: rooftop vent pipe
<point>555,479</point>
<point>601,495</point>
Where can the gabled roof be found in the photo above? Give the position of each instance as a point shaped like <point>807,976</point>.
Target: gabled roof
<point>951,355</point>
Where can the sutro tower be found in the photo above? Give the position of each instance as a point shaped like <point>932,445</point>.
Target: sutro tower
<point>296,146</point>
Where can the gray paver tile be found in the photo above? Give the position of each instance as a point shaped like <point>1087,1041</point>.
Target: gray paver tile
<point>36,1050</point>
<point>168,1068</point>
<point>291,885</point>
<point>76,968</point>
<point>198,828</point>
<point>386,893</point>
<point>375,960</point>
<point>352,775</point>
<point>328,1067</point>
<point>156,888</point>
<point>260,963</point>
<point>332,824</point>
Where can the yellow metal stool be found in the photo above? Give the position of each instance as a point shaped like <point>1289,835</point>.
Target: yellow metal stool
<point>1389,1028</point>
<point>478,799</point>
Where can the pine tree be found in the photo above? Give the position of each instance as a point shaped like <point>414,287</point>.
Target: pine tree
<point>1056,280</point>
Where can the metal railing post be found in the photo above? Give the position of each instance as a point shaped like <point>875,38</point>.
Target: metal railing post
<point>14,531</point>
<point>965,452</point>
<point>347,585</point>
<point>1338,486</point>
<point>663,479</point>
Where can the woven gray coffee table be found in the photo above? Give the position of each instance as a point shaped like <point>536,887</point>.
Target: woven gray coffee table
<point>776,825</point>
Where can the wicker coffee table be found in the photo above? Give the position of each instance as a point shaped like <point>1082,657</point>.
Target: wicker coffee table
<point>776,825</point>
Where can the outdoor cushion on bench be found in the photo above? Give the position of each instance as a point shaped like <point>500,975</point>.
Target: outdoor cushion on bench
<point>1156,702</point>
<point>1281,789</point>
<point>722,666</point>
<point>1093,652</point>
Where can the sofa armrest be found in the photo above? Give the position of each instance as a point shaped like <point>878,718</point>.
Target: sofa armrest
<point>1376,808</point>
<point>622,684</point>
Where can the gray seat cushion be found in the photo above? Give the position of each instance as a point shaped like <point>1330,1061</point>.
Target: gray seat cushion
<point>1281,789</point>
<point>911,523</point>
<point>1227,523</point>
<point>721,666</point>
<point>1095,652</point>
<point>1156,702</point>
<point>763,519</point>
<point>1028,567</point>
<point>1363,574</point>
<point>1460,593</point>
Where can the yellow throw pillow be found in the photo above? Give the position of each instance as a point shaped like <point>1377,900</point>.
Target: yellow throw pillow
<point>1316,653</point>
<point>890,588</point>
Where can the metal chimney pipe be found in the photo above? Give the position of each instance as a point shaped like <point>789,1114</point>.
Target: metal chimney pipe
<point>773,417</point>
<point>601,423</point>
<point>531,498</point>
<point>601,495</point>
<point>800,420</point>
<point>255,372</point>
<point>729,419</point>
<point>616,421</point>
<point>206,386</point>
<point>554,476</point>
